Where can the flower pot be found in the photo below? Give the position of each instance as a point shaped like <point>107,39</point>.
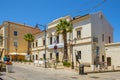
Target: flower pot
<point>9,68</point>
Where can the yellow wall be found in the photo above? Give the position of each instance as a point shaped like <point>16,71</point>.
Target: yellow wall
<point>9,37</point>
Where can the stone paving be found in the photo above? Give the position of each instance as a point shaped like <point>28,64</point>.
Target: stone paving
<point>31,72</point>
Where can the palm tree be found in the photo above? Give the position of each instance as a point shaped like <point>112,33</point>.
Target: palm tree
<point>29,38</point>
<point>63,28</point>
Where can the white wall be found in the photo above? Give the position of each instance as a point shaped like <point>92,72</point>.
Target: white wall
<point>94,26</point>
<point>85,28</point>
<point>101,26</point>
<point>86,51</point>
<point>113,51</point>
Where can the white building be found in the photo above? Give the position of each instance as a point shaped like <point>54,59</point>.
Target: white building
<point>113,54</point>
<point>90,33</point>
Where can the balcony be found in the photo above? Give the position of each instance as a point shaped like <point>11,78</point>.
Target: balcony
<point>59,45</point>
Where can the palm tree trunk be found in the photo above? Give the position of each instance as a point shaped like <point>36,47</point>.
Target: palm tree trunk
<point>28,52</point>
<point>65,56</point>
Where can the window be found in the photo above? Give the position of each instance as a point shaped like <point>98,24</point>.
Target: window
<point>97,50</point>
<point>109,39</point>
<point>43,56</point>
<point>79,34</point>
<point>51,40</point>
<point>79,54</point>
<point>1,40</point>
<point>50,55</point>
<point>33,57</point>
<point>33,44</point>
<point>36,57</point>
<point>43,41</point>
<point>103,58</point>
<point>57,37</point>
<point>102,37</point>
<point>15,43</point>
<point>36,44</point>
<point>15,33</point>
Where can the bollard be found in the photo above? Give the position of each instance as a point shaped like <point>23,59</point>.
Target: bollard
<point>81,69</point>
<point>98,67</point>
<point>93,67</point>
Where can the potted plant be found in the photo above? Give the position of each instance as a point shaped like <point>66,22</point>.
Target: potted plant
<point>8,66</point>
<point>66,64</point>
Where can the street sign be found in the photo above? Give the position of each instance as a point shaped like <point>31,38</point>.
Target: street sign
<point>55,47</point>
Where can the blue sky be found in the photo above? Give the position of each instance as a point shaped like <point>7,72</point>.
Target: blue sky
<point>32,12</point>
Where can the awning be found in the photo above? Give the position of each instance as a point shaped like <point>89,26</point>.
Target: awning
<point>14,53</point>
<point>60,45</point>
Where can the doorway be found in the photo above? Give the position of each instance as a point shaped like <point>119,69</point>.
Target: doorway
<point>109,61</point>
<point>103,58</point>
<point>57,56</point>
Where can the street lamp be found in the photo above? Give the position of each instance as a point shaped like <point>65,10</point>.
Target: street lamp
<point>71,45</point>
<point>45,40</point>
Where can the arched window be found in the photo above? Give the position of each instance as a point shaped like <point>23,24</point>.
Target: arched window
<point>36,57</point>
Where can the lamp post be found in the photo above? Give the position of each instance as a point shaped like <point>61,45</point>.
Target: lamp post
<point>45,40</point>
<point>71,45</point>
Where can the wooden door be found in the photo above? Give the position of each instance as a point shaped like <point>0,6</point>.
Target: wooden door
<point>109,61</point>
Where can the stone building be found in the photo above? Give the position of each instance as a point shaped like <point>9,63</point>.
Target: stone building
<point>90,33</point>
<point>12,39</point>
<point>112,51</point>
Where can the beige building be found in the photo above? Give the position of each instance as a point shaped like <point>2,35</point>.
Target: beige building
<point>12,39</point>
<point>113,54</point>
<point>90,33</point>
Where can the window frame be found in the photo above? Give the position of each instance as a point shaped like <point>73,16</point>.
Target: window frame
<point>78,33</point>
<point>109,38</point>
<point>102,37</point>
<point>57,38</point>
<point>15,33</point>
<point>36,43</point>
<point>50,39</point>
<point>43,42</point>
<point>79,54</point>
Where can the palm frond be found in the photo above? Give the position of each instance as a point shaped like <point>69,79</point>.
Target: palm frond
<point>29,37</point>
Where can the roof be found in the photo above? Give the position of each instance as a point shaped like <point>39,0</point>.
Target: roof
<point>113,44</point>
<point>23,25</point>
<point>35,29</point>
<point>80,18</point>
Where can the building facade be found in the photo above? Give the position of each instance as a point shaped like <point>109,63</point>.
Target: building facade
<point>12,41</point>
<point>113,54</point>
<point>90,33</point>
